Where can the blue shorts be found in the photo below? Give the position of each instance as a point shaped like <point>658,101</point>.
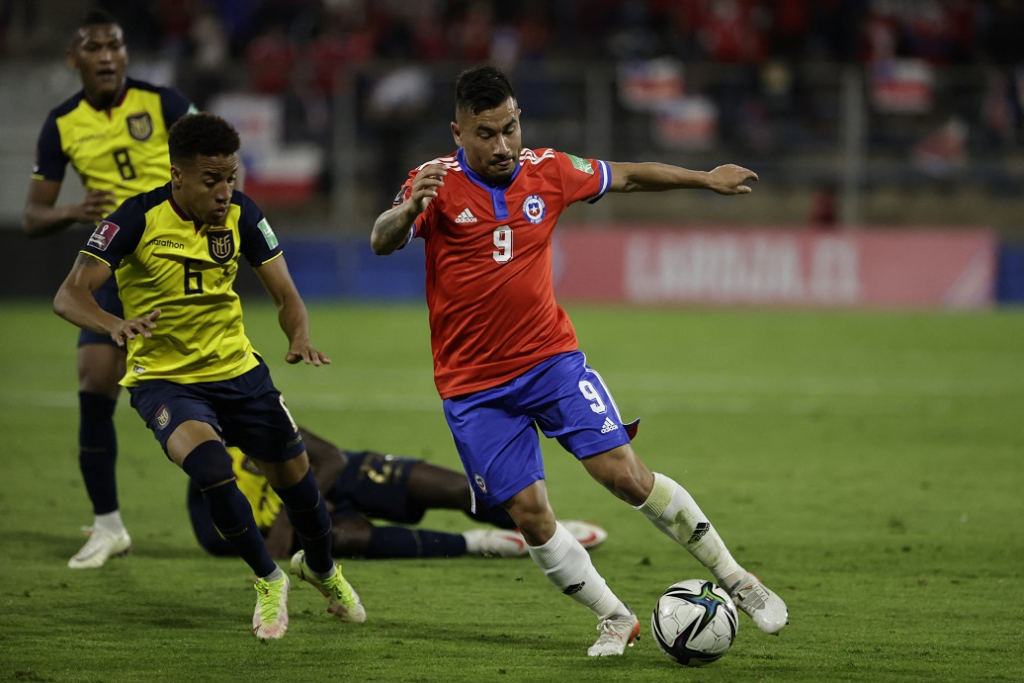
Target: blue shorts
<point>107,298</point>
<point>375,485</point>
<point>247,411</point>
<point>495,430</point>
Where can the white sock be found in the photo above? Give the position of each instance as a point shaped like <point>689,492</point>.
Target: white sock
<point>110,522</point>
<point>567,565</point>
<point>676,513</point>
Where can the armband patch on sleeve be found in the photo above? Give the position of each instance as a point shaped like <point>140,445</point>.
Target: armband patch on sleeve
<point>102,235</point>
<point>268,234</point>
<point>581,164</point>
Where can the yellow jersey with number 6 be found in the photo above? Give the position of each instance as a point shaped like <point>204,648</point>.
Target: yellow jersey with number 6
<point>162,260</point>
<point>122,149</point>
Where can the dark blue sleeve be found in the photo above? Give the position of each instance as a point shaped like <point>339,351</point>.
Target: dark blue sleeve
<point>259,243</point>
<point>174,106</point>
<point>118,234</point>
<point>50,158</point>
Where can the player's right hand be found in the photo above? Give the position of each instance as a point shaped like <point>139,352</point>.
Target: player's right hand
<point>129,329</point>
<point>425,186</point>
<point>94,207</point>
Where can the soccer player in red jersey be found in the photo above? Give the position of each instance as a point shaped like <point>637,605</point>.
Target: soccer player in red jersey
<point>506,359</point>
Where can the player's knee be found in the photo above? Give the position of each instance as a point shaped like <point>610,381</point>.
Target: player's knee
<point>208,465</point>
<point>629,485</point>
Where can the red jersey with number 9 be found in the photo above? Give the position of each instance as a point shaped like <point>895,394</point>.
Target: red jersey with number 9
<point>489,285</point>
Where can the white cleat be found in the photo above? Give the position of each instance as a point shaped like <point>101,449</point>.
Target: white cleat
<point>588,534</point>
<point>495,543</point>
<point>617,633</point>
<point>767,609</point>
<point>101,546</point>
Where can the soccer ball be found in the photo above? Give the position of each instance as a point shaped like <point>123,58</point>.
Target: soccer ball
<point>694,622</point>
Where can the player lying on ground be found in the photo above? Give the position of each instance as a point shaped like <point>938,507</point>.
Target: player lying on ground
<point>506,358</point>
<point>360,485</point>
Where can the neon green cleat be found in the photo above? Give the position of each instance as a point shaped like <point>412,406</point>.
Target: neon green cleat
<point>342,600</point>
<point>270,620</point>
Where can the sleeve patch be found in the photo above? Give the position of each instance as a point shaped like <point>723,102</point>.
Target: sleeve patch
<point>581,164</point>
<point>268,234</point>
<point>102,235</point>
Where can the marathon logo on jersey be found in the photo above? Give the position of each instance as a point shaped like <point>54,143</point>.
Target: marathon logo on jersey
<point>479,481</point>
<point>140,126</point>
<point>163,417</point>
<point>534,208</point>
<point>581,164</point>
<point>221,244</point>
<point>103,235</point>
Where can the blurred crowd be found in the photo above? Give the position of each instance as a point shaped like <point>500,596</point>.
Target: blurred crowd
<point>272,36</point>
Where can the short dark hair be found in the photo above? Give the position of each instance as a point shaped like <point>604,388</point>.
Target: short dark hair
<point>201,135</point>
<point>94,17</point>
<point>97,17</point>
<point>481,88</point>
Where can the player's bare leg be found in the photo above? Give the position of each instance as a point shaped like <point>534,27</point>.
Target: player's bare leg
<point>568,566</point>
<point>674,511</point>
<point>100,368</point>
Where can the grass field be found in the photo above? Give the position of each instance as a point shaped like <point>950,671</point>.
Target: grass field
<point>869,466</point>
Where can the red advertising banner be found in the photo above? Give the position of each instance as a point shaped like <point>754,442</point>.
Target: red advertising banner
<point>914,268</point>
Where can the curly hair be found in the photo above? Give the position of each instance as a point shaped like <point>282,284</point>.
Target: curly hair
<point>481,88</point>
<point>201,134</point>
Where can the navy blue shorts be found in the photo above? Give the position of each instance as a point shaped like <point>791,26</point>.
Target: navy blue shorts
<point>247,411</point>
<point>375,485</point>
<point>495,430</point>
<point>107,297</point>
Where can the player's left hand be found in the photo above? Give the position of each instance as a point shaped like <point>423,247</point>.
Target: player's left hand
<point>307,354</point>
<point>729,179</point>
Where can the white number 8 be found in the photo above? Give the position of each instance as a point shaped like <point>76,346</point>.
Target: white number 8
<point>590,393</point>
<point>503,241</point>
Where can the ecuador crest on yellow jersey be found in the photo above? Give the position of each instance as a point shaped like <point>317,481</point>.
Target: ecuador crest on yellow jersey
<point>161,259</point>
<point>122,149</point>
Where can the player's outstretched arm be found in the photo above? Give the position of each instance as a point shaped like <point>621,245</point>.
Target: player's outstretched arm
<point>655,177</point>
<point>75,303</point>
<point>43,217</point>
<point>391,228</point>
<point>291,312</point>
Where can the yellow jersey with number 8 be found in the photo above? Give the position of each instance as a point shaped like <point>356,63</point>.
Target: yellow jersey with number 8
<point>122,149</point>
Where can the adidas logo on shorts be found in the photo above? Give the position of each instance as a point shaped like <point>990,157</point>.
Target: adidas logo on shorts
<point>608,426</point>
<point>466,217</point>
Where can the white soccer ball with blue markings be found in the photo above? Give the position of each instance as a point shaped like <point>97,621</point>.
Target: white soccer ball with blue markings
<point>694,622</point>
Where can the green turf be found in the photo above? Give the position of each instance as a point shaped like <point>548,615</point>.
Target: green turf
<point>870,466</point>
